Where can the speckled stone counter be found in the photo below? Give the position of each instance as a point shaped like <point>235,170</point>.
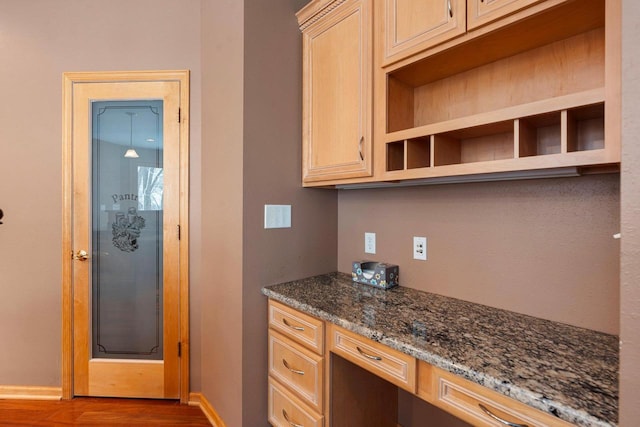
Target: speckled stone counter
<point>563,370</point>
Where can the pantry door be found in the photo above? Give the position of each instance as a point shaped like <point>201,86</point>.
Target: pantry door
<point>126,236</point>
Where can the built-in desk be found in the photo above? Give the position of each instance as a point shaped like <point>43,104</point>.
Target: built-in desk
<point>566,372</point>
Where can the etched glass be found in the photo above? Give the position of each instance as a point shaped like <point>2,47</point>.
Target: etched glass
<point>127,188</point>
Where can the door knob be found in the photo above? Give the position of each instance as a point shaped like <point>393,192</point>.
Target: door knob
<point>81,255</point>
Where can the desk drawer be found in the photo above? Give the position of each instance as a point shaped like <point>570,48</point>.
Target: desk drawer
<point>304,329</point>
<point>392,365</point>
<point>285,409</point>
<point>466,400</point>
<point>297,368</point>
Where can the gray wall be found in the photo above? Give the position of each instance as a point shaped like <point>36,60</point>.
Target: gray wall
<point>39,40</point>
<point>251,157</point>
<point>540,247</point>
<point>272,165</point>
<point>630,219</point>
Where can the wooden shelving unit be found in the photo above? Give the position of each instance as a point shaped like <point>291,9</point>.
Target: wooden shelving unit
<point>524,96</point>
<point>574,135</point>
<point>477,88</point>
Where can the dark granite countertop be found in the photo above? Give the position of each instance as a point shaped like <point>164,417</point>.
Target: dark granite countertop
<point>567,371</point>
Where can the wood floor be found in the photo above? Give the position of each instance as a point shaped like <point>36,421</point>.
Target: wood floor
<point>99,412</point>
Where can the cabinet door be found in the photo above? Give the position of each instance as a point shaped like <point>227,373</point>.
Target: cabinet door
<point>286,410</point>
<point>414,25</point>
<point>303,329</point>
<point>297,368</point>
<point>478,405</point>
<point>337,68</point>
<point>394,366</point>
<point>482,12</point>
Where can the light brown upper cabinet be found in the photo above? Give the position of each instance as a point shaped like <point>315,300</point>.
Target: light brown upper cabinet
<point>337,90</point>
<point>459,88</point>
<point>536,90</point>
<point>480,12</point>
<point>413,25</point>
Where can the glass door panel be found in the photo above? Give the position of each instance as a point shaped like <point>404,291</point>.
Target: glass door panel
<point>127,229</point>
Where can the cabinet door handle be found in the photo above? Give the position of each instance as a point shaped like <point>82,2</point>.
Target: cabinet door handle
<point>368,356</point>
<point>450,8</point>
<point>291,423</point>
<point>497,418</point>
<point>297,328</point>
<point>360,144</point>
<point>295,371</point>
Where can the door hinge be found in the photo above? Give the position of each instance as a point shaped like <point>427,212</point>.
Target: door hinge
<point>179,349</point>
<point>179,231</point>
<point>179,115</point>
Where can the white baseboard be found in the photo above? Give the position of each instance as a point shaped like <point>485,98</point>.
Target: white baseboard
<point>30,392</point>
<point>198,399</point>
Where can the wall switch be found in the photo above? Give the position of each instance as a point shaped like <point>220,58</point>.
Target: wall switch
<point>420,248</point>
<point>369,243</point>
<point>277,216</point>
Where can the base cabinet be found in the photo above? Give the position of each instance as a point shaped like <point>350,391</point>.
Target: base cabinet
<point>396,367</point>
<point>296,368</point>
<point>476,404</point>
<point>354,382</point>
<point>286,409</point>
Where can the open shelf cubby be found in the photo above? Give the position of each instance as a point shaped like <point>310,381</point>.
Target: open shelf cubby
<point>524,78</point>
<point>558,132</point>
<point>539,135</point>
<point>585,128</point>
<point>488,142</point>
<point>413,153</point>
<point>582,128</point>
<point>395,156</point>
<point>418,152</point>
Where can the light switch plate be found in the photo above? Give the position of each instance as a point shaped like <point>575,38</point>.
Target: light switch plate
<point>277,216</point>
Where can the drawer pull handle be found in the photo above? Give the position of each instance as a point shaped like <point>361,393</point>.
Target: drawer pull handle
<point>297,328</point>
<point>368,356</point>
<point>295,371</point>
<point>497,418</point>
<point>291,423</point>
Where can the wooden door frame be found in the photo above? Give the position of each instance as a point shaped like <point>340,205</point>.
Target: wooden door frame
<point>69,79</point>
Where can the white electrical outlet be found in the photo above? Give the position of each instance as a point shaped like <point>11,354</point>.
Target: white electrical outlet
<point>369,243</point>
<point>420,248</point>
